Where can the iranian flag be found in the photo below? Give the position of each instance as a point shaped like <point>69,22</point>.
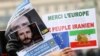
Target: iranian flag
<point>83,38</point>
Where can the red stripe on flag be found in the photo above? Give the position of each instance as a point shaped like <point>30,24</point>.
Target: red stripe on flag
<point>83,44</point>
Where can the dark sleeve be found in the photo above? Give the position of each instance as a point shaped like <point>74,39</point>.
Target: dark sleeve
<point>12,53</point>
<point>12,47</point>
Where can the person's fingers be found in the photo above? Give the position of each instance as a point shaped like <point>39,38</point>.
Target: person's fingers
<point>66,50</point>
<point>68,54</point>
<point>72,53</point>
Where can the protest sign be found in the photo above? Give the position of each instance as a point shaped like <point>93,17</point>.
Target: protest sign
<point>25,10</point>
<point>76,29</point>
<point>24,22</point>
<point>42,48</point>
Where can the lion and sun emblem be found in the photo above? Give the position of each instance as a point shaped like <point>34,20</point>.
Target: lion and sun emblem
<point>82,38</point>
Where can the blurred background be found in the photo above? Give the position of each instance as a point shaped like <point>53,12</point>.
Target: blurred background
<point>43,7</point>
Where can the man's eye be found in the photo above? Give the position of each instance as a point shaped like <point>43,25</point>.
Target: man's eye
<point>25,24</point>
<point>27,31</point>
<point>21,34</point>
<point>15,28</point>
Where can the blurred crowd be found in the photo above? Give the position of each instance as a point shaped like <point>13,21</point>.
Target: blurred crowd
<point>89,52</point>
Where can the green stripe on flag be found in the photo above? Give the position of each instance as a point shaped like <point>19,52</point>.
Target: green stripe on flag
<point>87,31</point>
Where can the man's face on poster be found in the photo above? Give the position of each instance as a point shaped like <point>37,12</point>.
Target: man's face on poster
<point>25,35</point>
<point>20,23</point>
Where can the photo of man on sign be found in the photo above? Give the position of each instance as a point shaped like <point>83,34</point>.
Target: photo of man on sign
<point>28,35</point>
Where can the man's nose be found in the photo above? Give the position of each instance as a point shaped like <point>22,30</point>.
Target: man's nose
<point>25,35</point>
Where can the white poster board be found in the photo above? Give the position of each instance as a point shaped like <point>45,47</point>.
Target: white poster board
<point>76,29</point>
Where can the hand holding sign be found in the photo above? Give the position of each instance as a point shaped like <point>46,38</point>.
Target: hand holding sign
<point>64,52</point>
